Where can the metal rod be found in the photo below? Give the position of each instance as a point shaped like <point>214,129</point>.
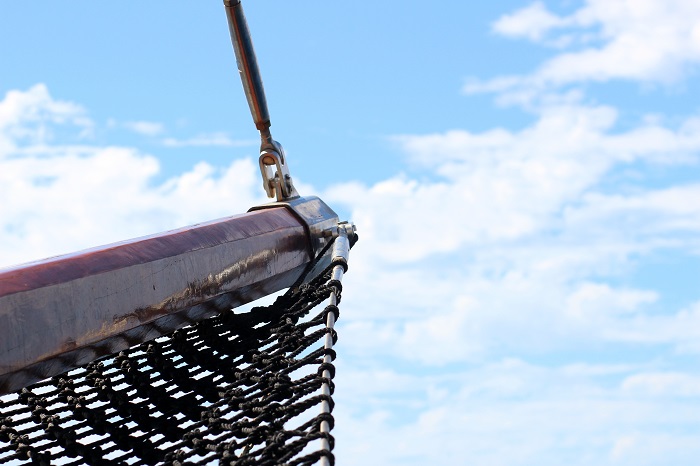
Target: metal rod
<point>339,256</point>
<point>66,311</point>
<point>248,67</point>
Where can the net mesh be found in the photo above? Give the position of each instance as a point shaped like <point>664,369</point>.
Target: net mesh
<point>239,389</point>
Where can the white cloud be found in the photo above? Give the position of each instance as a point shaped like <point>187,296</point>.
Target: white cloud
<point>507,242</point>
<point>663,384</point>
<point>510,412</point>
<point>680,329</point>
<point>646,40</point>
<point>26,117</point>
<point>89,195</point>
<point>592,299</point>
<point>532,22</point>
<point>501,185</point>
<point>146,128</point>
<point>211,139</point>
<point>669,210</point>
<point>439,319</point>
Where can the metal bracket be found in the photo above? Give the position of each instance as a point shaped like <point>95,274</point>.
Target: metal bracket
<point>344,228</point>
<point>314,214</point>
<point>320,222</point>
<point>341,246</point>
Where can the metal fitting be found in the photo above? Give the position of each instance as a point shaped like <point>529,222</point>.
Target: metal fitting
<point>345,228</point>
<point>275,173</point>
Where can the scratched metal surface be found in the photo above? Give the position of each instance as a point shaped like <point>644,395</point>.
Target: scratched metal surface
<point>65,311</point>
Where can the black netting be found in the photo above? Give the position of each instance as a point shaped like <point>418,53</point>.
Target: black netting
<point>237,389</point>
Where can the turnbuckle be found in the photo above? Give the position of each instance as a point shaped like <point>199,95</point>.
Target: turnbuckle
<point>273,164</point>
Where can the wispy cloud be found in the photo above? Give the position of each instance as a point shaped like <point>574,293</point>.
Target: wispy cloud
<point>153,129</point>
<point>646,41</point>
<point>146,128</point>
<point>210,139</point>
<point>510,412</point>
<point>533,22</point>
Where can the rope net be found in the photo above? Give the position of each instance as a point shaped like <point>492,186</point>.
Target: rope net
<point>246,389</point>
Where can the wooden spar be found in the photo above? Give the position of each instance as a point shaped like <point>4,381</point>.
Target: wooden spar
<point>65,311</point>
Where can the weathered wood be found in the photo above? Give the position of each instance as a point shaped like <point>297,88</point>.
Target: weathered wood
<point>65,311</point>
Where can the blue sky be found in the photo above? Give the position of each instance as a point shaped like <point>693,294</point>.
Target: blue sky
<point>524,176</point>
